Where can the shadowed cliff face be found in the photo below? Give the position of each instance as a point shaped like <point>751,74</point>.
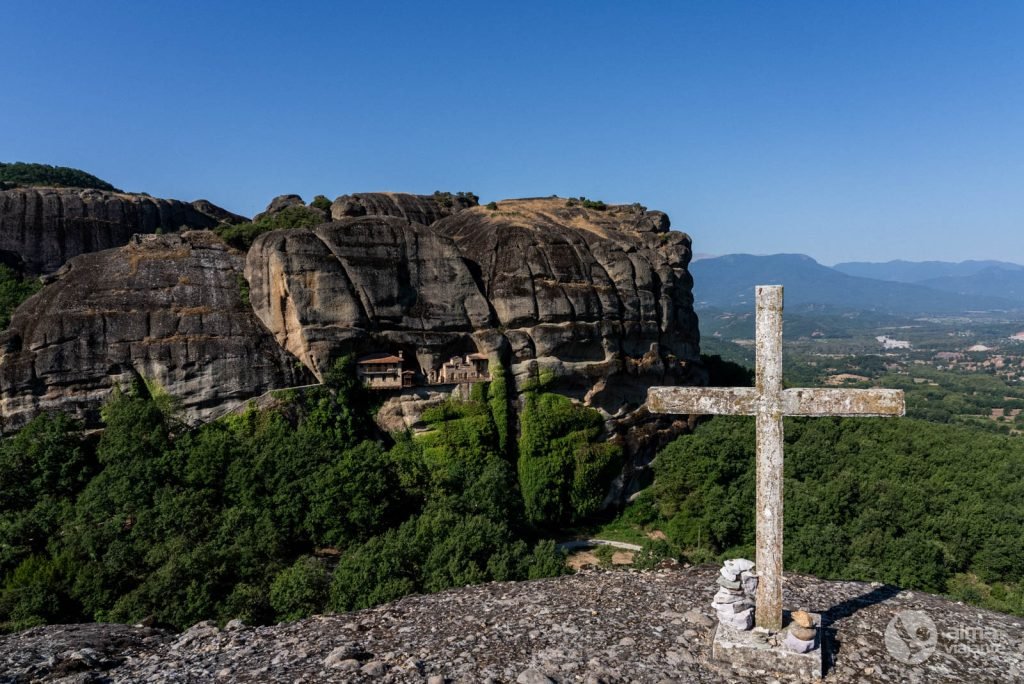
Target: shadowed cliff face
<point>164,308</point>
<point>45,227</point>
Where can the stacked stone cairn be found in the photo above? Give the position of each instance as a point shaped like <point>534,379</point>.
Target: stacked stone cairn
<point>802,632</point>
<point>734,601</point>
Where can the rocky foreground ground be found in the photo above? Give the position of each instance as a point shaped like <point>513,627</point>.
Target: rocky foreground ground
<point>594,626</point>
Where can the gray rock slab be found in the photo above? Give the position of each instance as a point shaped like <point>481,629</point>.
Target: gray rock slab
<point>496,631</point>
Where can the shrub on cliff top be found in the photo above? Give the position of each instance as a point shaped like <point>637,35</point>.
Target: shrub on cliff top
<point>597,205</point>
<point>20,174</point>
<point>243,235</point>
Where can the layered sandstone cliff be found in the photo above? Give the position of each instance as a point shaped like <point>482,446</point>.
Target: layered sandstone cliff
<point>602,299</point>
<point>168,310</point>
<point>41,228</point>
<point>596,302</point>
<point>365,284</point>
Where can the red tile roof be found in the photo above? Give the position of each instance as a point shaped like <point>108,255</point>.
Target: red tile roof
<point>380,357</point>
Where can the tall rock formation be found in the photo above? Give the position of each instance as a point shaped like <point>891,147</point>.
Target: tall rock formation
<point>165,309</point>
<point>593,300</point>
<point>600,298</point>
<point>364,284</point>
<point>41,228</point>
<point>596,301</point>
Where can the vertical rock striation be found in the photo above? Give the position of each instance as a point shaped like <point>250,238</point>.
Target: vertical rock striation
<point>44,227</point>
<point>361,284</point>
<point>602,299</point>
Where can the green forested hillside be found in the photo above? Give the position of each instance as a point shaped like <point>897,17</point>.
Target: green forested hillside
<point>920,505</point>
<point>303,508</point>
<point>276,514</point>
<point>19,174</point>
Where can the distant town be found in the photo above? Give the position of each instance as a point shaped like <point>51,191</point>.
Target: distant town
<point>957,369</point>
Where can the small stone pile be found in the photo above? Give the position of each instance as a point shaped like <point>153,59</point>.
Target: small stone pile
<point>802,632</point>
<point>734,601</point>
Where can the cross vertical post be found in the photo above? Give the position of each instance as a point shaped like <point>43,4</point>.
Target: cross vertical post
<point>769,402</point>
<point>768,331</point>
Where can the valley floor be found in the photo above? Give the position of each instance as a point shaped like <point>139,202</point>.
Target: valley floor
<point>595,626</point>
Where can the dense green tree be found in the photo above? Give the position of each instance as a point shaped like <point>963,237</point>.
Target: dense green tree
<point>33,594</point>
<point>321,202</point>
<point>354,496</point>
<point>223,521</point>
<point>903,501</point>
<point>300,589</point>
<point>19,174</point>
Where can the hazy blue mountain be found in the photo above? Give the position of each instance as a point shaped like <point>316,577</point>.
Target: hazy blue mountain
<point>995,281</point>
<point>728,282</point>
<point>919,271</point>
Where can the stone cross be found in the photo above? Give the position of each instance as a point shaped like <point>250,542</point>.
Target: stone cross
<point>769,402</point>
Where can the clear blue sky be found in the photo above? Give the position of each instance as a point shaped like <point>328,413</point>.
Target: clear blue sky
<point>844,130</point>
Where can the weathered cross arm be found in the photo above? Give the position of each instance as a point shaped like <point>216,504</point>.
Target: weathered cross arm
<point>742,401</point>
<point>843,402</point>
<point>703,401</point>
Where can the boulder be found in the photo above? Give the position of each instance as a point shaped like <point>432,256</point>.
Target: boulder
<point>222,215</point>
<point>279,204</point>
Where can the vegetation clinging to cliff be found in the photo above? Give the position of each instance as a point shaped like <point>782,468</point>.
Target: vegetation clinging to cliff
<point>14,289</point>
<point>565,467</point>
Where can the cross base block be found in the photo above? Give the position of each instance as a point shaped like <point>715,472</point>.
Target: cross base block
<point>755,651</point>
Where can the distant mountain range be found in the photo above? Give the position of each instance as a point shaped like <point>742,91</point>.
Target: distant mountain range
<point>1000,279</point>
<point>919,271</point>
<point>906,288</point>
